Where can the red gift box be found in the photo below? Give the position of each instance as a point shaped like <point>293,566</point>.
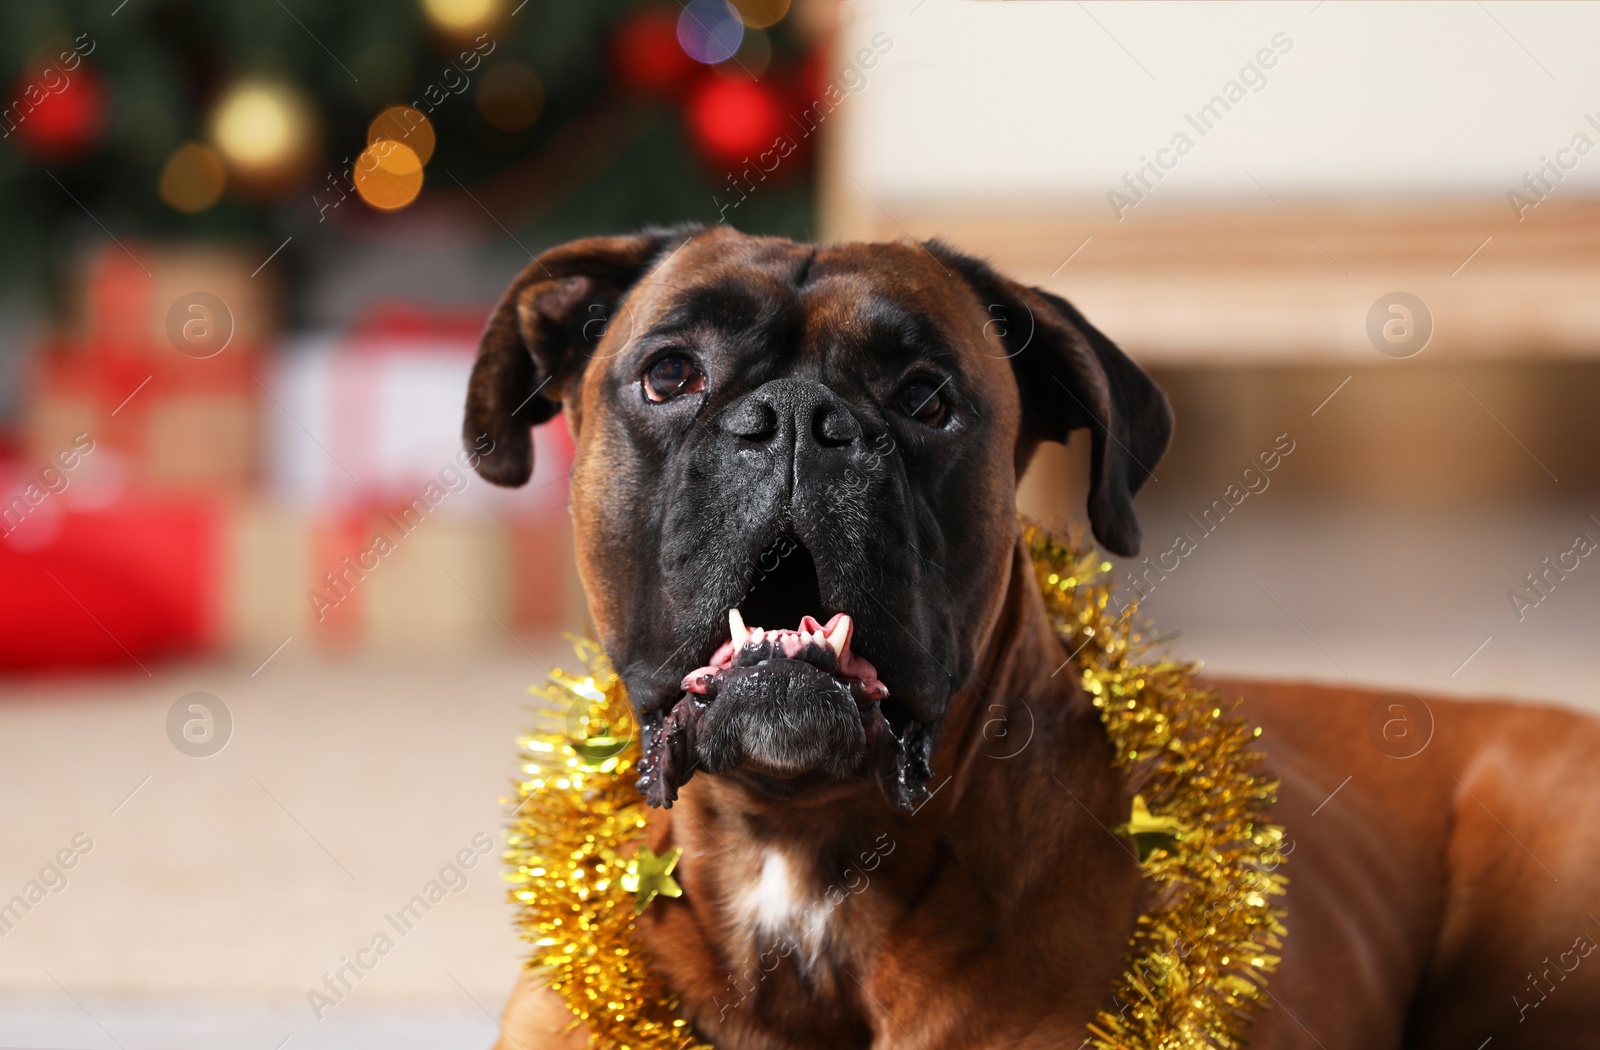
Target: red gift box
<point>163,372</point>
<point>133,582</point>
<point>181,423</point>
<point>136,301</point>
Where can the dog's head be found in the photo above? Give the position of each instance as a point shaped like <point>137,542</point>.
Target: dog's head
<point>794,487</point>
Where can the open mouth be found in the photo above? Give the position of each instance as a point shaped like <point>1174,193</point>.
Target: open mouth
<point>789,706</point>
<point>823,646</point>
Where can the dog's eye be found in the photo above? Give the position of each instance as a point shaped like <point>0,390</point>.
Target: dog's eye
<point>920,399</point>
<point>672,375</point>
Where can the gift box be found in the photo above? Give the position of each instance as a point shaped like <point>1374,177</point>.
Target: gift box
<point>373,416</point>
<point>397,545</point>
<point>162,371</point>
<point>372,532</point>
<point>159,298</point>
<point>121,585</point>
<point>180,423</point>
<point>388,581</point>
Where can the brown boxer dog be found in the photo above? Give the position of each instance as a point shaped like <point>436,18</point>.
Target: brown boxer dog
<point>794,503</point>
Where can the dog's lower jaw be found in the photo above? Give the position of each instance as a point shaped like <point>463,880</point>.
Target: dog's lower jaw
<point>786,710</point>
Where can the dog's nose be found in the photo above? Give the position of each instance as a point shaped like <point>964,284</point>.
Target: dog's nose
<point>808,414</point>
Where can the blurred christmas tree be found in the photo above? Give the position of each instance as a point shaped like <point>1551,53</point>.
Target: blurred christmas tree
<point>258,119</point>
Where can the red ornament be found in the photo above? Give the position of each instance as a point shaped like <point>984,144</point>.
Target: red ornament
<point>645,55</point>
<point>59,115</point>
<point>733,119</point>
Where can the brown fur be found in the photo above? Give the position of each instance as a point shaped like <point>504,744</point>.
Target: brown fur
<point>1423,895</point>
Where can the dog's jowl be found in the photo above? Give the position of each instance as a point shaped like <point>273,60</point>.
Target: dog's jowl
<point>794,501</point>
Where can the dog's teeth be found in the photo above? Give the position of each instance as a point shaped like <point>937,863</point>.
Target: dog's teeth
<point>840,636</point>
<point>756,635</point>
<point>737,630</point>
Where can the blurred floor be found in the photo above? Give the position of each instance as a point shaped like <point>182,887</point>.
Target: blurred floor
<point>141,1024</point>
<point>217,895</point>
<point>1388,597</point>
<point>217,892</point>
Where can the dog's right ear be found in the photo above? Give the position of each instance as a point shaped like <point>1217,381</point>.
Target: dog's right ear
<point>540,338</point>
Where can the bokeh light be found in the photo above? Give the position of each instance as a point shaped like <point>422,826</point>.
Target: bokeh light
<point>511,96</point>
<point>710,31</point>
<point>646,55</point>
<point>461,16</point>
<point>66,122</point>
<point>759,14</point>
<point>734,118</point>
<point>193,178</point>
<point>388,175</point>
<point>263,130</point>
<point>405,125</point>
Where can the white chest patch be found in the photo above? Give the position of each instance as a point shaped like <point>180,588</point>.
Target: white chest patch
<point>775,908</point>
<point>772,902</point>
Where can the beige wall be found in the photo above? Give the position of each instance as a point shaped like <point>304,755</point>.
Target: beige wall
<point>1377,155</point>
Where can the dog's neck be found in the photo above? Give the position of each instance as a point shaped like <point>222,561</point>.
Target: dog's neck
<point>788,904</point>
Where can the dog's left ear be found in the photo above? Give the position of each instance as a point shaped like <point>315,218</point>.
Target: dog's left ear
<point>1070,375</point>
<point>540,337</point>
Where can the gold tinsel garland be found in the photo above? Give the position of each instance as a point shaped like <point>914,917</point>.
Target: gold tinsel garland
<point>1197,961</point>
<point>574,855</point>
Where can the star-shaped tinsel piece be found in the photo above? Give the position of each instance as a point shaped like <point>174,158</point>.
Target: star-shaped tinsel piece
<point>650,876</point>
<point>1148,831</point>
<point>599,753</point>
